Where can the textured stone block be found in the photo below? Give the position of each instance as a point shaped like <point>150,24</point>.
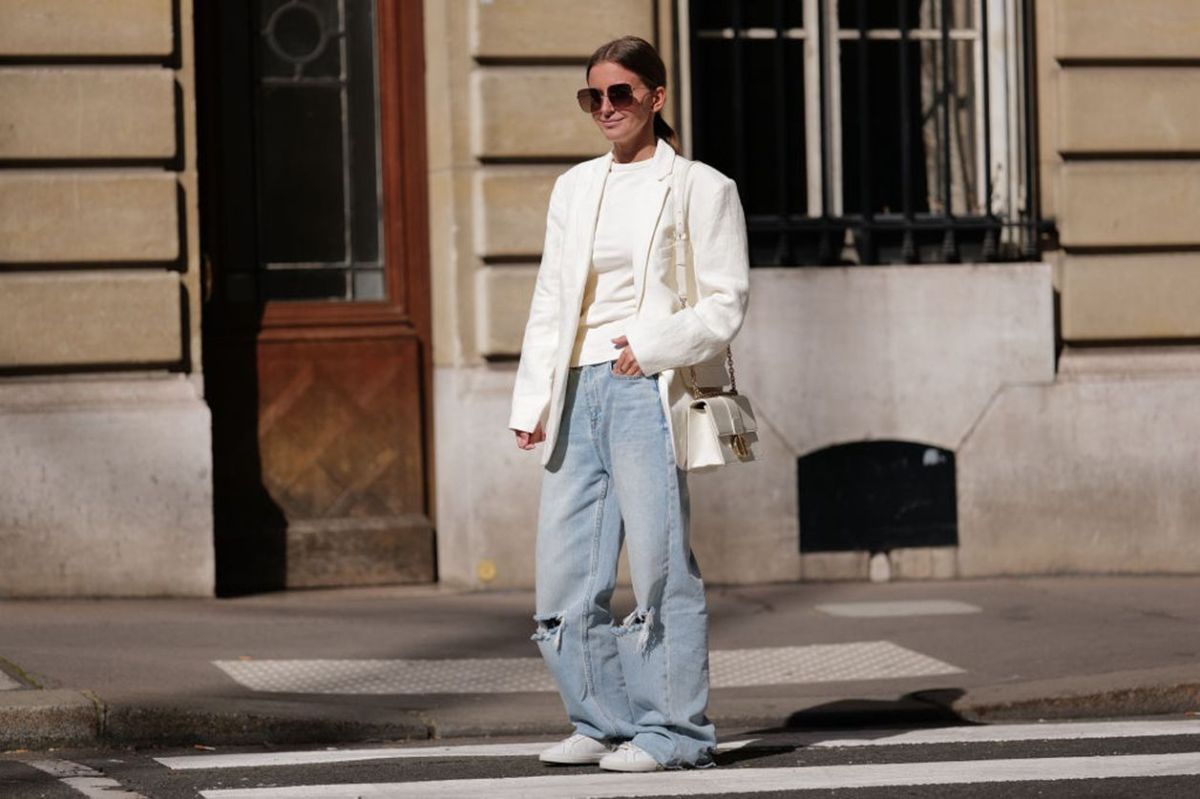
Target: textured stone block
<point>487,525</point>
<point>554,28</point>
<point>1112,109</point>
<point>76,318</point>
<point>1131,297</point>
<point>1130,203</point>
<point>86,27</point>
<point>1129,362</point>
<point>1083,477</point>
<point>502,307</point>
<point>105,489</point>
<point>511,204</point>
<point>923,563</point>
<point>88,216</point>
<point>40,719</point>
<point>531,112</point>
<point>820,567</point>
<point>87,113</point>
<point>908,353</point>
<point>1119,29</point>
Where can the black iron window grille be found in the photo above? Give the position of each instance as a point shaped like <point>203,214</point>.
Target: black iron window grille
<point>869,131</point>
<point>317,151</point>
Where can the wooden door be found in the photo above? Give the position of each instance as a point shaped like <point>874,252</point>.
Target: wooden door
<point>316,315</point>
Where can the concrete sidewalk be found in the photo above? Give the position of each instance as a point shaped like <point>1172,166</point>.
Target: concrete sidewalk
<point>184,671</point>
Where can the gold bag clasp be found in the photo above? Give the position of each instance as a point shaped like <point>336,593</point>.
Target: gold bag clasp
<point>739,446</point>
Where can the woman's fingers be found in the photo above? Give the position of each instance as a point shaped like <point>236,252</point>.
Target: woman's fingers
<point>626,362</point>
<point>526,440</point>
<point>622,364</point>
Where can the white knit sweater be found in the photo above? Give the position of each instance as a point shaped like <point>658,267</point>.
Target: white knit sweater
<point>608,298</point>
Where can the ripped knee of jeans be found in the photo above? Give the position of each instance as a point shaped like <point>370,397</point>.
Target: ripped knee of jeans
<point>549,628</point>
<point>640,622</point>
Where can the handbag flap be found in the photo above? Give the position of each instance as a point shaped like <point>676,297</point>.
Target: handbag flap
<point>730,414</point>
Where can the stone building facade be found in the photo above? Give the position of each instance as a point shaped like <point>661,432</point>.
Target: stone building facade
<point>1057,385</point>
<point>105,452</point>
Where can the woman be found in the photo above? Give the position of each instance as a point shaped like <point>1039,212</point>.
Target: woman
<point>600,384</point>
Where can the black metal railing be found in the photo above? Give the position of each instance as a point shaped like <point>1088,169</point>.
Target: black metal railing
<point>908,85</point>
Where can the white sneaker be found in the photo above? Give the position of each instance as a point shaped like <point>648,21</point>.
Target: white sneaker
<point>576,750</point>
<point>629,757</point>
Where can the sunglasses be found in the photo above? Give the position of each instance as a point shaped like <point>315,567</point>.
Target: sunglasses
<point>619,94</point>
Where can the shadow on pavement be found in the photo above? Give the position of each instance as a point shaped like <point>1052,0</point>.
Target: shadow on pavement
<point>933,706</point>
<point>859,719</point>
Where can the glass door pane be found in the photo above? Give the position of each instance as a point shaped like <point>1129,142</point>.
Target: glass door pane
<point>317,151</point>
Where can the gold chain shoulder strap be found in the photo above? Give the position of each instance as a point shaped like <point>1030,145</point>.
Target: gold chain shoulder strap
<point>679,177</point>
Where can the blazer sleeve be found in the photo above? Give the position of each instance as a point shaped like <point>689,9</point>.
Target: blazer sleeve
<point>531,392</point>
<point>717,229</point>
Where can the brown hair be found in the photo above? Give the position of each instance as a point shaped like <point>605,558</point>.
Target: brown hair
<point>639,57</point>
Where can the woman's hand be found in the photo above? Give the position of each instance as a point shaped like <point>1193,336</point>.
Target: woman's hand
<point>627,363</point>
<point>526,440</point>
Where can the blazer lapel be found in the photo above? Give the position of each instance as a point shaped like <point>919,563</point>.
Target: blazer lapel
<point>583,224</point>
<point>648,207</point>
<point>647,210</point>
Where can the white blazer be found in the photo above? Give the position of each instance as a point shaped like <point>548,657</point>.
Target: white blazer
<point>663,335</point>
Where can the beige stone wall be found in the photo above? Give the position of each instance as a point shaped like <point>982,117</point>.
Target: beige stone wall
<point>1095,472</point>
<point>1120,138</point>
<point>98,229</point>
<point>106,472</point>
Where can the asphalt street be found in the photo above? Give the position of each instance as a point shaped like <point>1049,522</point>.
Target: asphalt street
<point>1144,758</point>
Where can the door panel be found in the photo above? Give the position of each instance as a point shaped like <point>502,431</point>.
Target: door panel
<point>336,424</point>
<point>317,333</point>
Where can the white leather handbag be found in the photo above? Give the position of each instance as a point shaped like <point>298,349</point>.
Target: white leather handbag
<point>720,422</point>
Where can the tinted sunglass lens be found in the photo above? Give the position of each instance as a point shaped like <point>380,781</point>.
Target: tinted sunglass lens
<point>620,95</point>
<point>589,99</point>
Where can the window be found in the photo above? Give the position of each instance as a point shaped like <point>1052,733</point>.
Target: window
<point>317,150</point>
<point>868,131</point>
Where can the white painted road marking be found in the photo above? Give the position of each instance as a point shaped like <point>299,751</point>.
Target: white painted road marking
<point>261,759</point>
<point>710,782</point>
<point>942,735</point>
<point>731,668</point>
<point>995,733</point>
<point>916,607</point>
<point>84,779</point>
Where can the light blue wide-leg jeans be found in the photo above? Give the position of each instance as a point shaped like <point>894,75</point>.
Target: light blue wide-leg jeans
<point>612,477</point>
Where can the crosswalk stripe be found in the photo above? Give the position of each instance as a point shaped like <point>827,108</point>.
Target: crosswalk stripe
<point>709,782</point>
<point>84,779</point>
<point>997,733</point>
<point>993,733</point>
<point>261,759</point>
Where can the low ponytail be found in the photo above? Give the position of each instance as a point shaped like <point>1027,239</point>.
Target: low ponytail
<point>639,57</point>
<point>664,131</point>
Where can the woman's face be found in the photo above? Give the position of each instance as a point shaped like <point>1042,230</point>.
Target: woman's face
<point>624,125</point>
